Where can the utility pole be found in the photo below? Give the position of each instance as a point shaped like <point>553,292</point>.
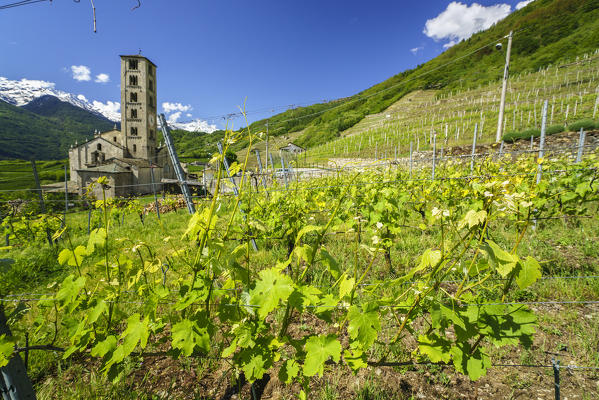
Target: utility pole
<point>506,73</point>
<point>267,145</point>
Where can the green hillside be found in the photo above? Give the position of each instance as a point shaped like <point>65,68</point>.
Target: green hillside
<point>546,32</point>
<point>45,130</point>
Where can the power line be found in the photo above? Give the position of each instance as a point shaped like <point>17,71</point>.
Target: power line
<point>21,3</point>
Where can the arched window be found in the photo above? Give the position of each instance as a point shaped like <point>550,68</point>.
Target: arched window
<point>132,80</point>
<point>99,147</point>
<point>134,148</point>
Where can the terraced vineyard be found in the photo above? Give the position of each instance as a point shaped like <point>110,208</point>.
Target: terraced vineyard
<point>572,90</point>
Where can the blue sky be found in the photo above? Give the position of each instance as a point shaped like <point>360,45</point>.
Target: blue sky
<point>211,55</point>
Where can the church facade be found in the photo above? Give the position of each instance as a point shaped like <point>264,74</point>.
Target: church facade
<point>127,157</point>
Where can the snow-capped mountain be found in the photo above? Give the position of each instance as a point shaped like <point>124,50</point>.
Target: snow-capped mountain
<point>194,126</point>
<point>22,92</point>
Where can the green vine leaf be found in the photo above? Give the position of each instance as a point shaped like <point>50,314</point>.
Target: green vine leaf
<point>104,347</point>
<point>435,347</point>
<point>500,259</point>
<point>364,324</point>
<point>271,288</point>
<point>6,348</point>
<point>430,258</point>
<point>137,332</point>
<point>331,264</point>
<point>97,238</point>
<point>468,362</point>
<point>305,230</point>
<point>67,296</point>
<point>473,218</point>
<point>100,308</point>
<point>289,371</point>
<point>72,257</point>
<point>254,364</point>
<point>356,359</point>
<point>346,286</point>
<point>529,273</point>
<point>318,350</point>
<point>187,335</point>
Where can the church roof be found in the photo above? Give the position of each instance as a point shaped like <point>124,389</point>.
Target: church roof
<point>137,162</point>
<point>102,138</point>
<point>112,168</point>
<point>137,56</point>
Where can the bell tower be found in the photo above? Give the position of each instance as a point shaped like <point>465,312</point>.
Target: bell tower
<point>138,106</point>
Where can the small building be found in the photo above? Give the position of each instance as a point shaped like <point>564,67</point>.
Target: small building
<point>292,148</point>
<point>126,156</point>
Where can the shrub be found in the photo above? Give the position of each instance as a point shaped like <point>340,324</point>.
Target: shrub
<point>554,129</point>
<point>582,123</point>
<point>511,137</point>
<point>530,132</point>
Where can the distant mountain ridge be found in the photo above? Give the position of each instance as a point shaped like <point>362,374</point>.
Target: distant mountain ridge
<point>20,93</point>
<point>51,106</point>
<point>45,128</point>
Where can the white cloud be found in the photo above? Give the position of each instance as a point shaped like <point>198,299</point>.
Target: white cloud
<point>81,73</point>
<point>188,115</point>
<point>102,78</point>
<point>172,107</point>
<point>174,117</point>
<point>523,4</point>
<point>460,21</point>
<point>110,109</point>
<point>415,50</point>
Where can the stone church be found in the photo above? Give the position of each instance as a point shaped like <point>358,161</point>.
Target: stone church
<point>126,157</point>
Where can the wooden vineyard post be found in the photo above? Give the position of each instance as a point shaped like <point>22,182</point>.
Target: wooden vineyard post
<point>581,140</point>
<point>506,72</point>
<point>473,148</point>
<point>272,166</point>
<point>284,170</point>
<point>262,178</point>
<point>7,238</point>
<point>41,198</point>
<point>89,219</point>
<point>66,197</point>
<point>410,159</point>
<point>154,191</point>
<point>434,155</point>
<point>203,181</point>
<point>542,144</point>
<point>14,382</point>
